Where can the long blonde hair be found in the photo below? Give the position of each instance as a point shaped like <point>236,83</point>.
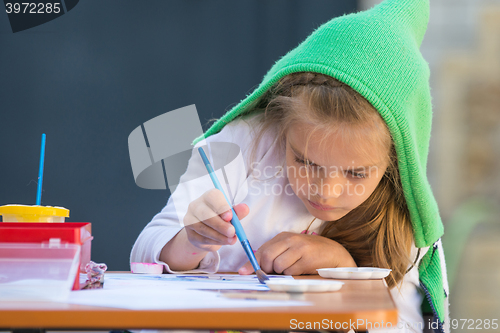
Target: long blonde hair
<point>377,233</point>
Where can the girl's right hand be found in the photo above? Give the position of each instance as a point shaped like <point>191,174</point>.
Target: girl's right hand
<point>208,221</point>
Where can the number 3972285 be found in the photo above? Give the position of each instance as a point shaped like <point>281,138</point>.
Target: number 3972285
<point>32,8</point>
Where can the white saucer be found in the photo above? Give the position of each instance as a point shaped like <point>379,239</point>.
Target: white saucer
<point>354,273</point>
<point>300,286</point>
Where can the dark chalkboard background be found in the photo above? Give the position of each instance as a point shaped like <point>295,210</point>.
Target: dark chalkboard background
<point>91,76</point>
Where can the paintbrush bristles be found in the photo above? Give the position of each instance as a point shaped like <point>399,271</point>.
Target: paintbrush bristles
<point>261,276</point>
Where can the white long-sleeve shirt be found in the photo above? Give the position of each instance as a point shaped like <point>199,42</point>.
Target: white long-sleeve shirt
<point>274,208</point>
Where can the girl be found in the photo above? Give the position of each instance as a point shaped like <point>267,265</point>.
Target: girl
<point>336,140</point>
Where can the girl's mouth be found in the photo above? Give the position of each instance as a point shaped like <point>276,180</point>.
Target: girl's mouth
<point>320,207</point>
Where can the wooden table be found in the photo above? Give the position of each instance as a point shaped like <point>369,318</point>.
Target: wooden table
<point>359,302</point>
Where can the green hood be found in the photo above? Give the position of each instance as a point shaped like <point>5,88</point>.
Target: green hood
<point>376,52</point>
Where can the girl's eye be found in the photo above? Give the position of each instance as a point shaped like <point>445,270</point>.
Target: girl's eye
<point>353,174</point>
<point>298,160</point>
<point>356,174</point>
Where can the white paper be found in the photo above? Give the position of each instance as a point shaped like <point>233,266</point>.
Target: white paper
<point>169,291</point>
<point>189,281</point>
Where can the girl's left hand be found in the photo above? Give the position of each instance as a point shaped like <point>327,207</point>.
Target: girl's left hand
<point>296,254</point>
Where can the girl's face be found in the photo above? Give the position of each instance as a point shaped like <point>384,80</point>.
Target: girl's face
<point>338,178</point>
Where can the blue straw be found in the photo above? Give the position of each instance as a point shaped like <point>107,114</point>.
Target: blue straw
<point>235,221</point>
<point>40,172</point>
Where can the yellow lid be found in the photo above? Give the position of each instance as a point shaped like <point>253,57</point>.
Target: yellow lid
<point>34,210</point>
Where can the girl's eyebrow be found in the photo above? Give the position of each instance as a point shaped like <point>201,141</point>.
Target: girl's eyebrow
<point>298,153</point>
<point>295,151</point>
<point>358,169</point>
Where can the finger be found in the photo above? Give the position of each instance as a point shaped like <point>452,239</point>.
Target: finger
<point>268,253</point>
<point>206,231</point>
<point>198,239</point>
<point>287,260</point>
<point>191,222</point>
<point>246,269</point>
<point>241,210</point>
<point>216,200</point>
<point>201,210</point>
<point>297,268</point>
<point>202,242</point>
<point>207,216</point>
<point>194,210</point>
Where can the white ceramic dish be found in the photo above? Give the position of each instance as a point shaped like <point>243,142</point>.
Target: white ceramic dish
<point>354,273</point>
<point>300,286</point>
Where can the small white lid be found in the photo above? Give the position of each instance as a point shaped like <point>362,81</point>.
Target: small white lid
<point>354,273</point>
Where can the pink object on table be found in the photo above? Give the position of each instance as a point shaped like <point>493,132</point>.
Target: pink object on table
<point>95,275</point>
<point>146,268</point>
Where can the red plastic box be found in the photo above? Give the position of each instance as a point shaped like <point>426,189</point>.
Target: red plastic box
<point>79,233</point>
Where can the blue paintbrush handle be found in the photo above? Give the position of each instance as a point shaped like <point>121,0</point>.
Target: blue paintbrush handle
<point>40,172</point>
<point>235,221</point>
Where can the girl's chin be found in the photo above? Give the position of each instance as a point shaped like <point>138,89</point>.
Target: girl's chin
<point>329,215</point>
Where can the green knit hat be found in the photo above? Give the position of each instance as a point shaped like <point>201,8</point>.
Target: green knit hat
<point>376,52</point>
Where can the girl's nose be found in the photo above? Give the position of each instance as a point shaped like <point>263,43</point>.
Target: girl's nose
<point>329,187</point>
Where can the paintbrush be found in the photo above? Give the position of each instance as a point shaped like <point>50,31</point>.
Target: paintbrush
<point>235,221</point>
